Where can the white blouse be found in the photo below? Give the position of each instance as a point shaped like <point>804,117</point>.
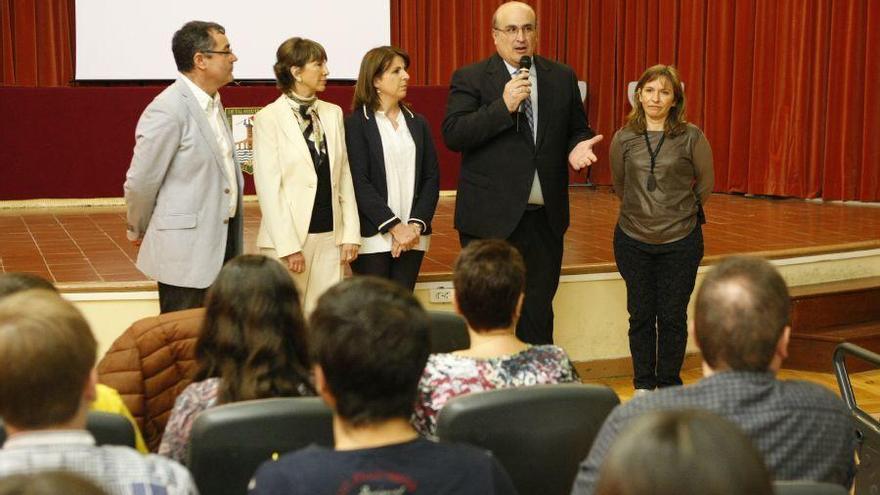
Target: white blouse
<point>400,176</point>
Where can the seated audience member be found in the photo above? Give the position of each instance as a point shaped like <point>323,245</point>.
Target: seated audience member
<point>369,342</point>
<point>48,483</point>
<point>683,453</point>
<point>13,282</point>
<point>489,278</point>
<point>47,380</point>
<point>741,326</point>
<point>252,345</point>
<point>107,398</point>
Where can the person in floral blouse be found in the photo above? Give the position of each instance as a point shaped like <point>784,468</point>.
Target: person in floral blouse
<point>489,278</point>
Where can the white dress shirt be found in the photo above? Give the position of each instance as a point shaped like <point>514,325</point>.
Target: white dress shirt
<point>536,195</point>
<point>211,106</point>
<point>400,177</point>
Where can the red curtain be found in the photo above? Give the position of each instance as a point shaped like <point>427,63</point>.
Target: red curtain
<point>36,42</point>
<point>780,87</point>
<point>784,89</point>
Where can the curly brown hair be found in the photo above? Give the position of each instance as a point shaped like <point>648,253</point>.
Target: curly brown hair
<point>254,334</point>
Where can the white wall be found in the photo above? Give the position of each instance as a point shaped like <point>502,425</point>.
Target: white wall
<point>141,33</point>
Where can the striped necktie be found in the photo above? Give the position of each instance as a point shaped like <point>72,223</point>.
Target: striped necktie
<point>526,108</point>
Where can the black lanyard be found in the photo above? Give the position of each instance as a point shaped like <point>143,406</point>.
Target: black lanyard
<point>652,181</point>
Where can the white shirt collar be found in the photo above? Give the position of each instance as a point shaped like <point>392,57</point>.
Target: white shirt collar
<point>511,69</point>
<point>38,438</point>
<point>400,118</point>
<point>205,100</point>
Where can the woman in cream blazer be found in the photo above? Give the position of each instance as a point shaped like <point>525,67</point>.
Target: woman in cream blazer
<point>301,172</point>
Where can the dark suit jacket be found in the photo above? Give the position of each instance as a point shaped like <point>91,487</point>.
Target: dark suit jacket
<point>367,160</point>
<point>498,162</point>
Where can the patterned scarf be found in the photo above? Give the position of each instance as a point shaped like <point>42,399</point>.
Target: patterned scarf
<point>307,116</point>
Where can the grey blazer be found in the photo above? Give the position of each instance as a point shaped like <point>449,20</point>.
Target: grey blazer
<point>176,192</point>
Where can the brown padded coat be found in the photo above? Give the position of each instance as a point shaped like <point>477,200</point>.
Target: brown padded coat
<point>150,364</point>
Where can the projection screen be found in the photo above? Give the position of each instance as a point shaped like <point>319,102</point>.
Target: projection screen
<point>131,39</point>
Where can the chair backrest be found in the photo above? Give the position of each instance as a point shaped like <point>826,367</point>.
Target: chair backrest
<point>867,427</point>
<point>448,332</point>
<point>540,434</point>
<point>107,428</point>
<point>807,488</point>
<point>229,442</point>
<point>110,429</point>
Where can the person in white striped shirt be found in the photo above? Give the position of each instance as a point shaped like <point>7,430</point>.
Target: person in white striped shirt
<point>47,382</point>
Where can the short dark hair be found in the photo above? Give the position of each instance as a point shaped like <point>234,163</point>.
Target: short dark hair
<point>192,38</point>
<point>254,334</point>
<point>683,453</point>
<point>742,309</point>
<point>374,64</point>
<point>370,337</point>
<point>13,282</point>
<point>295,52</point>
<point>47,352</point>
<point>489,278</point>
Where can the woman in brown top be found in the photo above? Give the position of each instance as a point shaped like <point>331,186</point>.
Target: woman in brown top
<point>662,171</point>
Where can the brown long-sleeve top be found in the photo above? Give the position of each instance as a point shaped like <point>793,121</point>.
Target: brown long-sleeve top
<point>684,174</point>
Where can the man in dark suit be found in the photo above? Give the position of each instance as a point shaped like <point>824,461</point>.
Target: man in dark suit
<point>516,130</point>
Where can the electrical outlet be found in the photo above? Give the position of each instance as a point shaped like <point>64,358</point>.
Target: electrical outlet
<point>442,295</point>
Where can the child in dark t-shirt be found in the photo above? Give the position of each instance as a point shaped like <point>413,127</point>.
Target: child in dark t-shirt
<point>369,343</point>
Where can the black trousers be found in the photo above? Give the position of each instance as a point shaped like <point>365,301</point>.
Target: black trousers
<point>541,250</point>
<point>175,298</point>
<point>404,270</point>
<point>659,281</point>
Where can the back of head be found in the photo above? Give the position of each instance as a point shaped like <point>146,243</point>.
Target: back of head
<point>192,38</point>
<point>254,336</point>
<point>742,309</point>
<point>48,483</point>
<point>683,453</point>
<point>370,337</point>
<point>489,277</point>
<point>13,282</point>
<point>47,353</point>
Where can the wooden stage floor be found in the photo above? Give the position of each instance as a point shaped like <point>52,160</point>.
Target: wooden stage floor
<point>84,248</point>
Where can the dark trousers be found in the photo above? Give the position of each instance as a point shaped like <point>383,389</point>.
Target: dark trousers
<point>659,281</point>
<point>541,250</point>
<point>175,298</point>
<point>404,270</point>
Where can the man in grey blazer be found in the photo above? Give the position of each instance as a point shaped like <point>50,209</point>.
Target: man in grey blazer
<point>183,189</point>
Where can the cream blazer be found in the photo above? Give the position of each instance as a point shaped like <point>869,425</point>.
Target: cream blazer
<point>286,182</point>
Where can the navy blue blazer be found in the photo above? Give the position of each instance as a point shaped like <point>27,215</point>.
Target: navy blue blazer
<point>366,158</point>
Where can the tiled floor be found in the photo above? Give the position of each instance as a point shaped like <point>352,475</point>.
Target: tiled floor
<point>86,247</point>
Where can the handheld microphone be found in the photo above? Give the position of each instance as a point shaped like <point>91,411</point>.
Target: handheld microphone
<point>525,63</point>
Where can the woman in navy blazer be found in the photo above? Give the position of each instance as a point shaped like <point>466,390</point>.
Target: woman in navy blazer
<point>394,169</point>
